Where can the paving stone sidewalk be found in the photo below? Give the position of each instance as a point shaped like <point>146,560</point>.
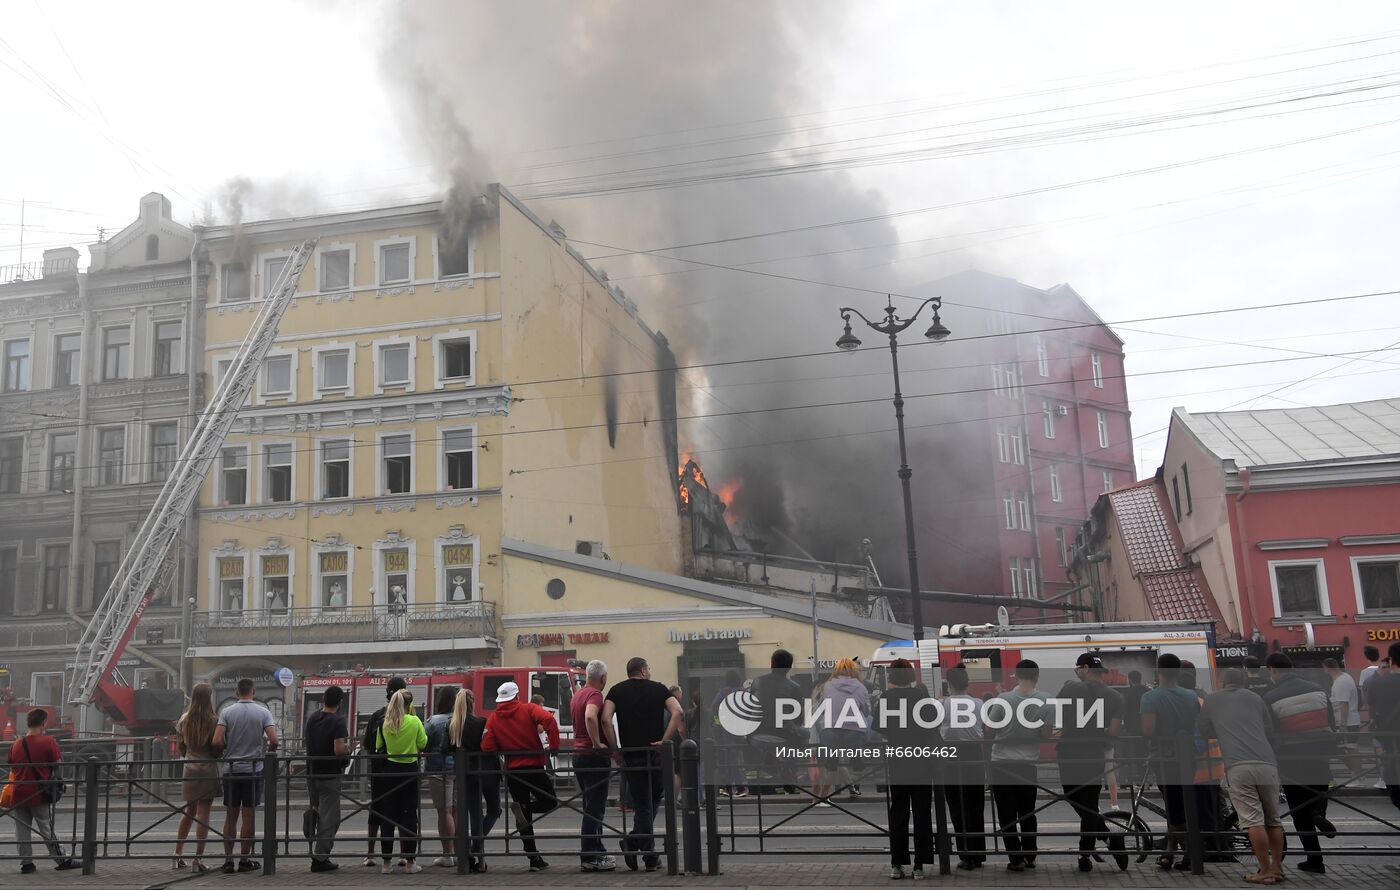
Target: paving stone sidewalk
<point>812,872</point>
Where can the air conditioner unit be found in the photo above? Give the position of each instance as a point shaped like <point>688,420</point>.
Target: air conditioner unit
<point>1062,410</point>
<point>589,548</point>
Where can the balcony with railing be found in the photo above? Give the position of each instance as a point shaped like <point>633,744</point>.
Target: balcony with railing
<point>18,635</point>
<point>379,626</point>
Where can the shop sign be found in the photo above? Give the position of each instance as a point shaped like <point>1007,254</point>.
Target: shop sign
<point>1382,634</point>
<point>709,633</point>
<point>1239,651</point>
<point>537,641</point>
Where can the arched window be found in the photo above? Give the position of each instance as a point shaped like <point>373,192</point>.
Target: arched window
<point>152,247</point>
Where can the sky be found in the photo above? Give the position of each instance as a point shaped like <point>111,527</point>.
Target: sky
<point>1163,160</point>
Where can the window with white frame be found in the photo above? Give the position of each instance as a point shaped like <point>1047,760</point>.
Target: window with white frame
<point>998,380</point>
<point>1107,481</point>
<point>1056,492</point>
<point>335,469</point>
<point>456,359</point>
<point>333,370</point>
<point>1102,420</point>
<point>1096,362</point>
<point>395,262</point>
<point>111,455</point>
<point>397,459</point>
<point>53,589</point>
<point>1032,580</point>
<point>1003,445</point>
<point>1299,588</point>
<point>11,464</point>
<point>1377,583</point>
<point>106,558</point>
<point>221,368</point>
<point>1061,554</point>
<point>168,354</point>
<point>454,256</point>
<point>1018,446</point>
<point>396,587</point>
<point>458,459</point>
<point>1015,565</point>
<point>16,365</point>
<point>46,689</point>
<point>1047,411</point>
<point>1013,381</point>
<point>272,268</point>
<point>9,581</point>
<point>63,458</point>
<point>334,574</point>
<point>334,270</point>
<point>277,376</point>
<point>67,349</point>
<point>234,286</point>
<point>116,353</point>
<point>277,473</point>
<point>165,450</point>
<point>276,583</point>
<point>233,475</point>
<point>458,566</point>
<point>394,364</point>
<point>1023,510</point>
<point>1042,357</point>
<point>230,574</point>
<point>1008,509</point>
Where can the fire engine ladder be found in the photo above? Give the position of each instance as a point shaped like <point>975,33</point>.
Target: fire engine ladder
<point>149,562</point>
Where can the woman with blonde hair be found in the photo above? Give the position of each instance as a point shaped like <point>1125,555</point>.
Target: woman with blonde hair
<point>843,720</point>
<point>199,784</point>
<point>483,785</point>
<point>400,739</point>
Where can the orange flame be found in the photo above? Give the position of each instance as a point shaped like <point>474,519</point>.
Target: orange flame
<point>727,491</point>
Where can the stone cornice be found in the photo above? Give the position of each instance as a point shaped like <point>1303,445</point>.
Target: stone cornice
<point>486,401</point>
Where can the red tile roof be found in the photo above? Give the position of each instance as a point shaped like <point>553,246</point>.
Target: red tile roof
<point>1174,590</point>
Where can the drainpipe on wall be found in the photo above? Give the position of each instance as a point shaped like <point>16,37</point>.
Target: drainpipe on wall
<point>1242,554</point>
<point>189,534</point>
<point>75,548</point>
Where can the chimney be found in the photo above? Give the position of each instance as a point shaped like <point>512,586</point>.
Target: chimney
<point>60,261</point>
<point>557,231</point>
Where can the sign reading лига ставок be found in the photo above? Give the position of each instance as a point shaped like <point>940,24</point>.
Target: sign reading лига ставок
<point>709,633</point>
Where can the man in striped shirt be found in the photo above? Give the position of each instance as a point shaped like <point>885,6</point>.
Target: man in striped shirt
<point>1305,744</point>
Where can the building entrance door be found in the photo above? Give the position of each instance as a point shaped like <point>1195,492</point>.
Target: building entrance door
<point>703,664</point>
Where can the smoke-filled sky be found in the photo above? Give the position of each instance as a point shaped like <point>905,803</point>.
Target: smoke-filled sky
<point>1161,160</point>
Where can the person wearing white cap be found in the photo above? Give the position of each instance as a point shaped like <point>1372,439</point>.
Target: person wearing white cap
<point>514,730</point>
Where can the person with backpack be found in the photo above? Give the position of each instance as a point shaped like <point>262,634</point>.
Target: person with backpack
<point>400,739</point>
<point>483,784</point>
<point>327,747</point>
<point>438,762</point>
<point>1305,744</point>
<point>514,729</point>
<point>377,787</point>
<point>34,760</point>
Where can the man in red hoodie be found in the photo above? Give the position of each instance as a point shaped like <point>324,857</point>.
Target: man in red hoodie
<point>514,729</point>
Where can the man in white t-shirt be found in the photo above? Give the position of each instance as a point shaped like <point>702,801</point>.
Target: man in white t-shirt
<point>1346,710</point>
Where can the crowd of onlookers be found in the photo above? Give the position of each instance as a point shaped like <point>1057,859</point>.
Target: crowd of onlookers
<point>1265,739</point>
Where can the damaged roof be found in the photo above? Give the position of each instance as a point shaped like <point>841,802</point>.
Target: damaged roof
<point>1175,591</point>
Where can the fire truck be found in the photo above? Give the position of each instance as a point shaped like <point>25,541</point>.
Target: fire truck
<point>364,691</point>
<point>989,652</point>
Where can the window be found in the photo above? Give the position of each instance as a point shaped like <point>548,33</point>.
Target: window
<point>396,589</point>
<point>46,688</point>
<point>16,365</point>
<point>1015,564</point>
<point>234,286</point>
<point>66,350</point>
<point>1008,509</point>
<point>335,469</point>
<point>459,562</point>
<point>276,581</point>
<point>230,584</point>
<point>394,262</point>
<point>1176,499</point>
<point>272,268</point>
<point>54,587</point>
<point>456,359</point>
<point>1056,492</point>
<point>9,580</point>
<point>1042,357</point>
<point>277,467</point>
<point>11,464</point>
<point>1299,588</point>
<point>63,450</point>
<point>165,450</point>
<point>1023,508</point>
<point>106,558</point>
<point>393,364</point>
<point>998,380</point>
<point>1048,412</point>
<point>116,353</point>
<point>334,369</point>
<point>111,455</point>
<point>1018,446</point>
<point>221,369</point>
<point>1107,481</point>
<point>1032,582</point>
<point>398,464</point>
<point>1186,483</point>
<point>233,476</point>
<point>335,270</point>
<point>333,574</point>
<point>1103,428</point>
<point>277,375</point>
<point>1003,445</point>
<point>1013,381</point>
<point>458,459</point>
<point>1061,554</point>
<point>152,248</point>
<point>1378,584</point>
<point>169,349</point>
<point>1096,361</point>
<point>454,257</point>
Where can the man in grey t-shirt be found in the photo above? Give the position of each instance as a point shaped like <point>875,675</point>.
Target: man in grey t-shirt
<point>1243,724</point>
<point>243,727</point>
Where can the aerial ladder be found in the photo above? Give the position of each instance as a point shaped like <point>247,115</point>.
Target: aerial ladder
<point>149,563</point>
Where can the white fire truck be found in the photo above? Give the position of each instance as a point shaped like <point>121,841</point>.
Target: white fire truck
<point>989,652</point>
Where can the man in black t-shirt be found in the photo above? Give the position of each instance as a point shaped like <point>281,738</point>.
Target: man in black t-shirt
<point>1081,751</point>
<point>327,747</point>
<point>641,706</point>
<point>367,746</point>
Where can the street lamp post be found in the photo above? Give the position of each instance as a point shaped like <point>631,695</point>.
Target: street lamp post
<point>892,326</point>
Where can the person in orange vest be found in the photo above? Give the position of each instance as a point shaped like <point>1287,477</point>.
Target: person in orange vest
<point>1210,772</point>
